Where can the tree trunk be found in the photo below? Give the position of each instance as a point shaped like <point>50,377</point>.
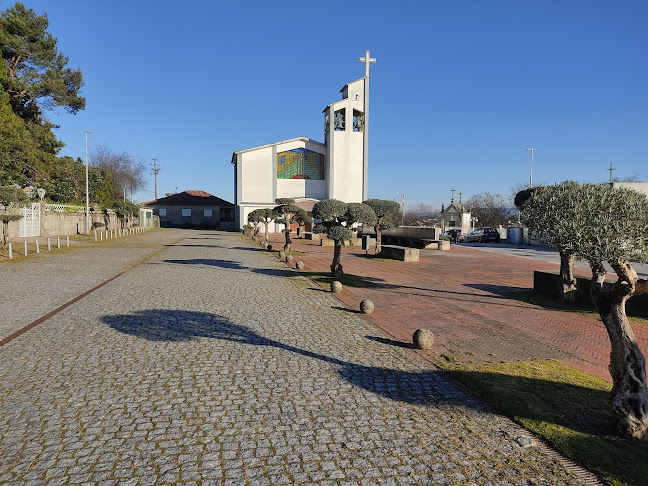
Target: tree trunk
<point>5,230</point>
<point>378,231</point>
<point>288,244</point>
<point>567,276</point>
<point>336,266</point>
<point>266,230</point>
<point>627,363</point>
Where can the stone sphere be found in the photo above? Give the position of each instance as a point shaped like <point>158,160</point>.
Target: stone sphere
<point>289,258</point>
<point>336,286</point>
<point>282,253</point>
<point>366,306</point>
<point>423,339</point>
<point>263,243</point>
<point>269,247</point>
<point>299,265</point>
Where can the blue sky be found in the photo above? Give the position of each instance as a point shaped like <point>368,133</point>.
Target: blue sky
<point>460,89</point>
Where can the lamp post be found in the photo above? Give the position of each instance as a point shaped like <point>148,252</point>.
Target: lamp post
<point>402,208</point>
<point>87,187</point>
<point>531,175</point>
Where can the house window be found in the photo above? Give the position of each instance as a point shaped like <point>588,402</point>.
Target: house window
<point>452,223</point>
<point>162,212</point>
<point>186,212</point>
<point>207,213</point>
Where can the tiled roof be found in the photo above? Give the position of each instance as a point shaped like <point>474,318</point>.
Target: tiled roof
<point>190,198</point>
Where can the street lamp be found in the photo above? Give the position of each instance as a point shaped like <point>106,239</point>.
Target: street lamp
<point>87,187</point>
<point>531,175</point>
<point>402,208</point>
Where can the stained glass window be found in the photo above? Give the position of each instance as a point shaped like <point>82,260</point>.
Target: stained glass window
<point>300,163</point>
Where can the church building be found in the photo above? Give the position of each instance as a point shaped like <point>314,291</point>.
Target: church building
<point>307,170</point>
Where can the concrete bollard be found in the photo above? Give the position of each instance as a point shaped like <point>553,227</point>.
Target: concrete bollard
<point>25,247</point>
<point>68,240</point>
<point>37,248</point>
<point>10,252</point>
<point>58,242</point>
<point>49,246</point>
<point>95,236</point>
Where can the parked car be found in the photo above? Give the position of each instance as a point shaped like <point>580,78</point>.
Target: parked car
<point>484,235</point>
<point>454,235</point>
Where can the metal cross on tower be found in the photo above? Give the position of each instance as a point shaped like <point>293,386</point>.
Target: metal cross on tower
<point>452,191</point>
<point>365,139</point>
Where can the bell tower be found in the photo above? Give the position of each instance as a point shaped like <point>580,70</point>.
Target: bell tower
<point>346,140</point>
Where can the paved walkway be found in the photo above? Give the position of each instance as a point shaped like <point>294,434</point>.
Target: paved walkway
<point>465,296</point>
<point>202,365</point>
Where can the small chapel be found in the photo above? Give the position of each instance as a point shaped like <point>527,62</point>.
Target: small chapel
<point>307,170</point>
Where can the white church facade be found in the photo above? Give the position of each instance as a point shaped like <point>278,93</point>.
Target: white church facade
<point>304,169</point>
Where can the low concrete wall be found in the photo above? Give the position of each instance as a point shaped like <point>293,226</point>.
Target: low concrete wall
<point>550,283</point>
<point>423,232</point>
<point>352,242</point>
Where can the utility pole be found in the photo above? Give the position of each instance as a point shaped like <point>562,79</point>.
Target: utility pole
<point>156,170</point>
<point>132,156</point>
<point>531,175</point>
<point>87,211</point>
<point>611,169</point>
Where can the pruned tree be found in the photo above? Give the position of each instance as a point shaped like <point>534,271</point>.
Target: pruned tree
<point>10,196</point>
<point>336,220</point>
<point>263,215</point>
<point>287,213</point>
<point>548,226</point>
<point>605,224</point>
<point>490,209</point>
<point>385,210</point>
<point>37,73</point>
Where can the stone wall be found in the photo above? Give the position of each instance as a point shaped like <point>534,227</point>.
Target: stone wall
<point>55,223</point>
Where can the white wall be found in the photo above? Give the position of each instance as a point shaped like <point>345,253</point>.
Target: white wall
<point>256,170</point>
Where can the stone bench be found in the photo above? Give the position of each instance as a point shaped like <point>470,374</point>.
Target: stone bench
<point>401,253</point>
<point>417,242</point>
<point>352,242</point>
<point>311,236</point>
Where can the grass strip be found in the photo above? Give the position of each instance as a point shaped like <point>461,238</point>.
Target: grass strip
<point>568,408</point>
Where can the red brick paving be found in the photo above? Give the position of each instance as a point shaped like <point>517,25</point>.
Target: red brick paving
<point>463,297</point>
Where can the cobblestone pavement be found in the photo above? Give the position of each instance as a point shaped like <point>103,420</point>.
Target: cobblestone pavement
<point>211,363</point>
<point>35,286</point>
<point>466,297</point>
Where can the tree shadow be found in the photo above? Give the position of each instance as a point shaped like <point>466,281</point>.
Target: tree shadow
<point>274,272</point>
<point>391,342</point>
<point>227,264</point>
<point>577,407</point>
<point>168,325</point>
<point>501,291</point>
<point>200,246</point>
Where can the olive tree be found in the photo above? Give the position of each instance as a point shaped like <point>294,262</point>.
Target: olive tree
<point>336,220</point>
<point>385,210</point>
<point>263,215</point>
<point>287,212</point>
<point>605,224</point>
<point>548,226</point>
<point>10,196</point>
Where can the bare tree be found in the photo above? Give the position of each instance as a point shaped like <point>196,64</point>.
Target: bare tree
<point>491,209</point>
<point>125,178</point>
<point>421,215</point>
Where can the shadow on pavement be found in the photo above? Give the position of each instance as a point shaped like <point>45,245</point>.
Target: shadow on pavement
<point>428,386</point>
<point>167,325</point>
<point>209,262</point>
<point>391,342</point>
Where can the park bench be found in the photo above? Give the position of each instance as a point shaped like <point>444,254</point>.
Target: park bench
<point>401,253</point>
